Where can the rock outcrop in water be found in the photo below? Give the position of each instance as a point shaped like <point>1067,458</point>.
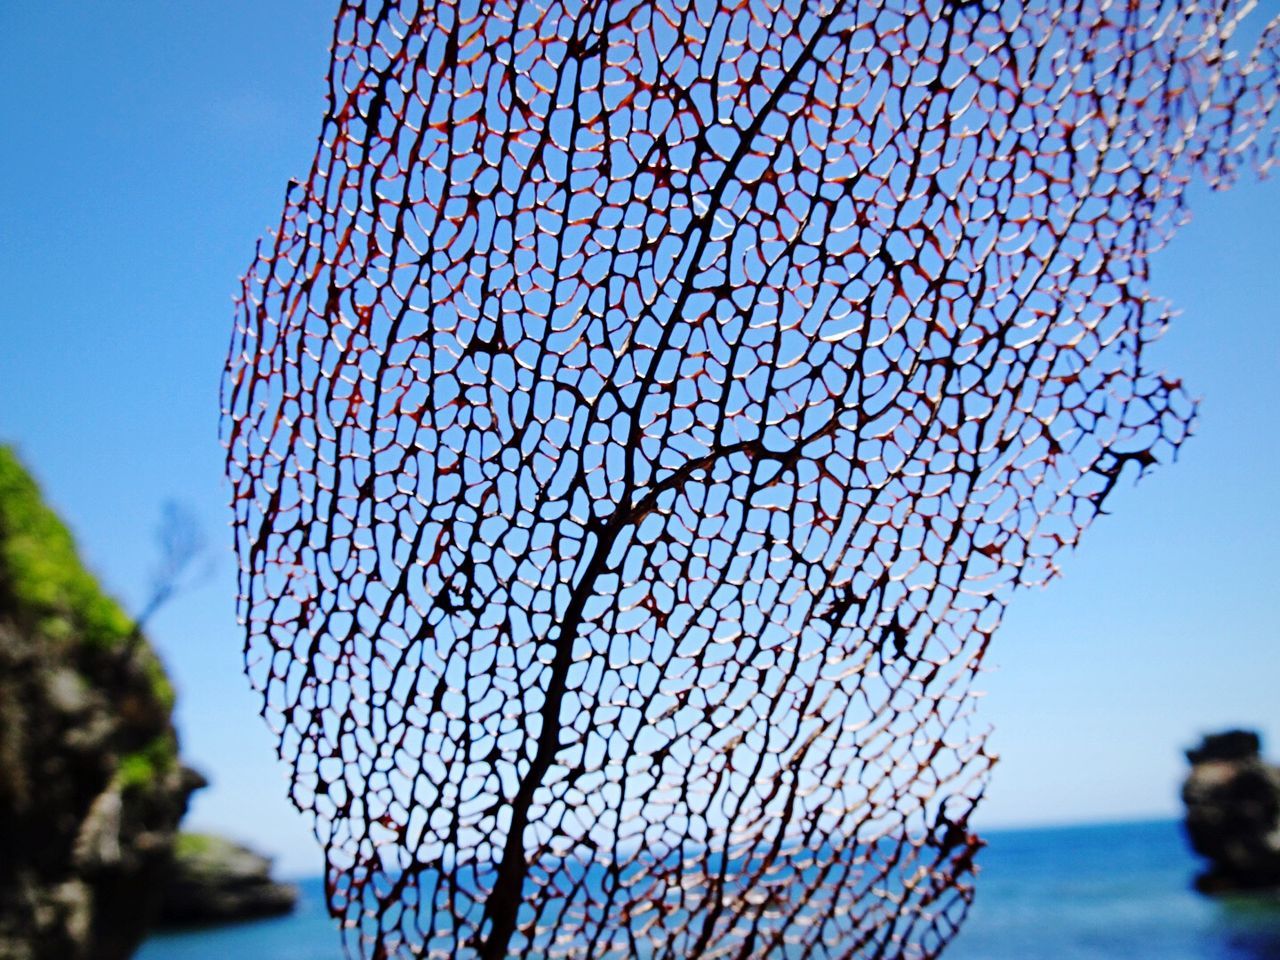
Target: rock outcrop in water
<point>91,790</point>
<point>1233,813</point>
<point>216,881</point>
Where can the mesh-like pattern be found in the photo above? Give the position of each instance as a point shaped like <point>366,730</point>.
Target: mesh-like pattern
<point>641,416</point>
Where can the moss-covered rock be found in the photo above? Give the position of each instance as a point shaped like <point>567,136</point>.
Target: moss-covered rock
<point>91,790</point>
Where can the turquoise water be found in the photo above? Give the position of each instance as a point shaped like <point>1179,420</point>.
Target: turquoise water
<point>1076,893</point>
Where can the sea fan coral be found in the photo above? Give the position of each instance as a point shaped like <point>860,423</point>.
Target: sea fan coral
<point>639,420</point>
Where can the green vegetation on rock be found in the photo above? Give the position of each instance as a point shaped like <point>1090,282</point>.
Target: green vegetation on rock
<point>190,845</point>
<point>141,768</point>
<point>39,565</point>
<point>48,586</point>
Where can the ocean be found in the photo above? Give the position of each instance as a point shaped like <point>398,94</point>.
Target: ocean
<point>1072,893</point>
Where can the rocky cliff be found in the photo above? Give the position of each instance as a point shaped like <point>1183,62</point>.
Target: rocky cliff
<point>91,790</point>
<point>1233,813</point>
<point>217,881</point>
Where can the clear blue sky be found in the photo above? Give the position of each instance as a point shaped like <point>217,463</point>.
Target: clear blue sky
<point>147,147</point>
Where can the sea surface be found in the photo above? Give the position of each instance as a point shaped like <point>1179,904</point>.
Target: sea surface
<point>1073,893</point>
